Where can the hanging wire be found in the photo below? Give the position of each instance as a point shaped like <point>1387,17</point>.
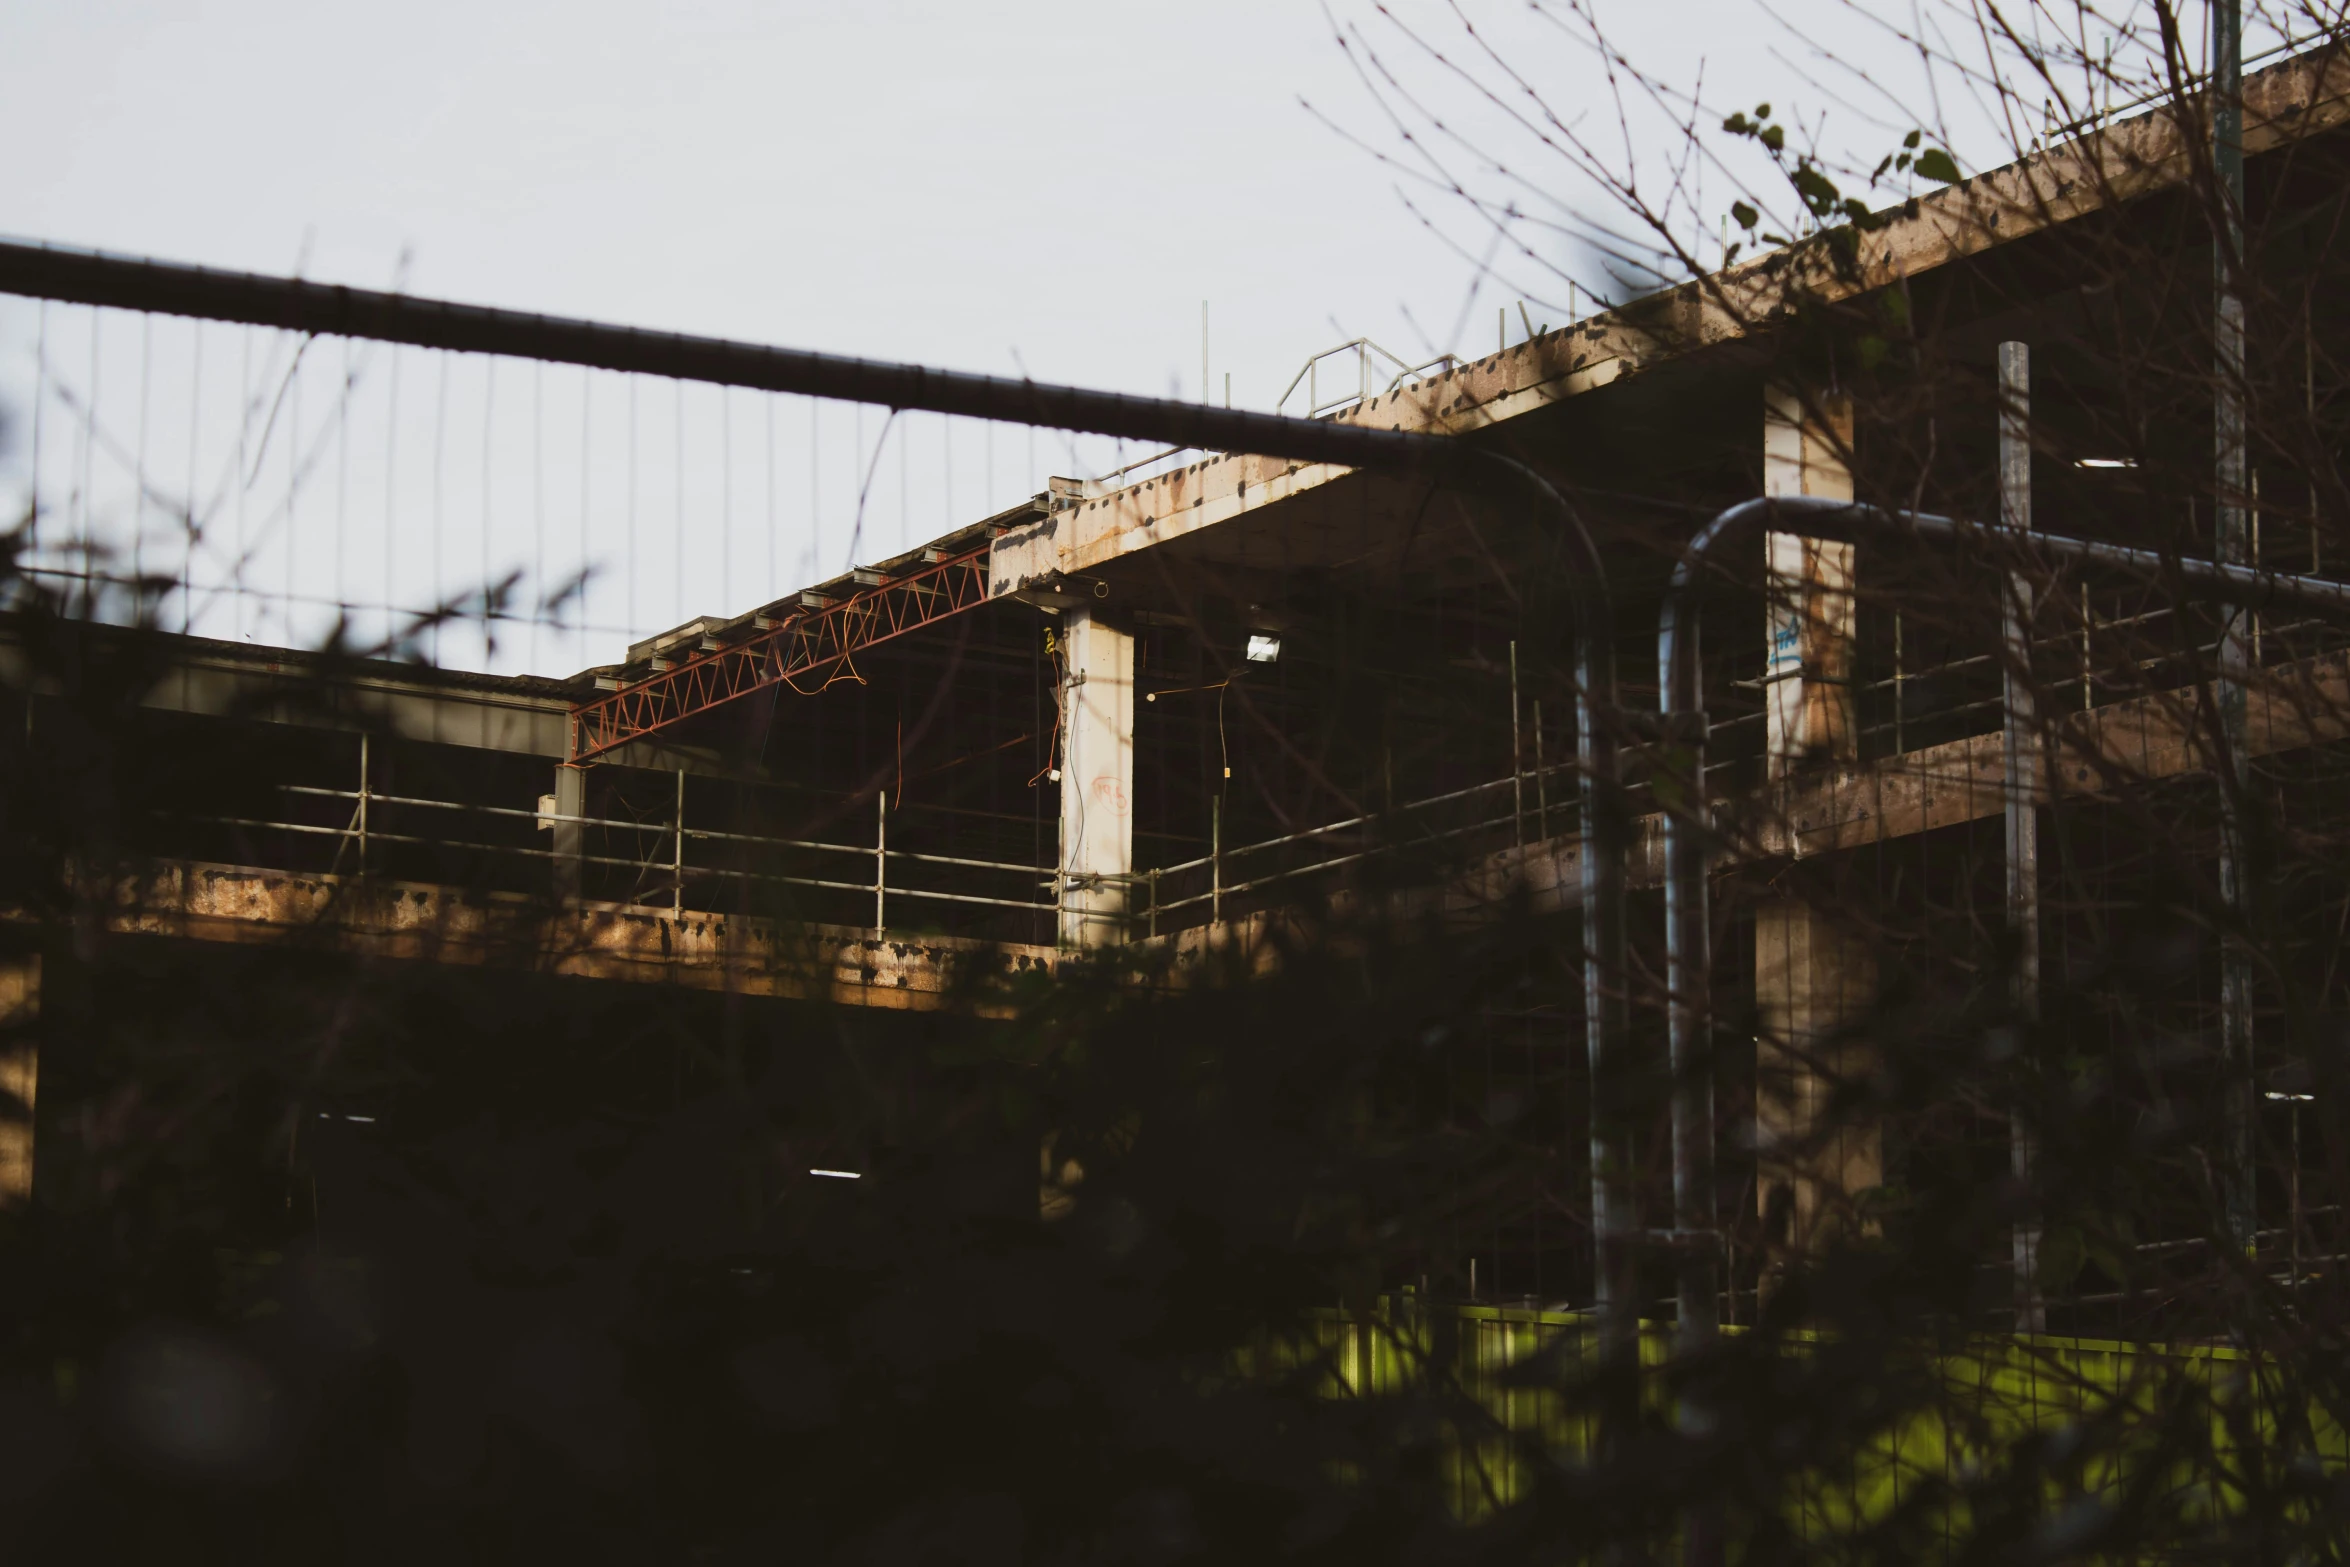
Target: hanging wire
<point>139,470</point>
<point>767,403</point>
<point>195,441</point>
<point>587,382</point>
<point>88,428</point>
<point>343,493</point>
<point>244,434</point>
<point>489,404</point>
<point>293,486</point>
<point>440,442</point>
<point>632,567</point>
<point>677,535</point>
<point>391,490</point>
<point>32,522</point>
<point>725,497</point>
<point>538,499</point>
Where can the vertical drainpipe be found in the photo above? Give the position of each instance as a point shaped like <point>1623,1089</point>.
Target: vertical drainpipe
<point>2235,661</point>
<point>2021,785</point>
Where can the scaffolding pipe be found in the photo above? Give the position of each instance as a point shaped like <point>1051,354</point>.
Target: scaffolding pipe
<point>1688,960</point>
<point>88,277</point>
<point>1216,859</point>
<point>362,802</point>
<point>2020,757</point>
<point>1517,758</point>
<point>2230,530</point>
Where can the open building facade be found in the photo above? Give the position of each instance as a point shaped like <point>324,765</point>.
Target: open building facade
<point>1176,719</point>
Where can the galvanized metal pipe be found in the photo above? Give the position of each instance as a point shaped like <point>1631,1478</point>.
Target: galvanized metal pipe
<point>291,304</point>
<point>2020,754</point>
<point>2230,540</point>
<point>1688,960</point>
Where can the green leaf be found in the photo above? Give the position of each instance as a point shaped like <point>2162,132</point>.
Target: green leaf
<point>1935,164</point>
<point>1762,111</point>
<point>1911,140</point>
<point>1872,350</point>
<point>1738,125</point>
<point>1743,215</point>
<point>1773,137</point>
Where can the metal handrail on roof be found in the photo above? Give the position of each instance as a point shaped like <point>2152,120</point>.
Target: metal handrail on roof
<point>1363,349</point>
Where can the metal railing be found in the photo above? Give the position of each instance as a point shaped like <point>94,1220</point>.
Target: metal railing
<point>665,850</point>
<point>1363,350</point>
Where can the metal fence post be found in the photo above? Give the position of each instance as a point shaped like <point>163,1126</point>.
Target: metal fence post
<point>1517,757</point>
<point>1215,859</point>
<point>2022,768</point>
<point>1541,783</point>
<point>677,870</point>
<point>1154,912</point>
<point>880,858</point>
<point>362,802</point>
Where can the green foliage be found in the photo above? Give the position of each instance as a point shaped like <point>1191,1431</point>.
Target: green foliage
<point>1935,164</point>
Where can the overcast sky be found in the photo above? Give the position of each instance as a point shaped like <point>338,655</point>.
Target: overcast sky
<point>1050,186</point>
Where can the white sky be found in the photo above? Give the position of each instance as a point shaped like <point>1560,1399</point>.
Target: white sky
<point>1051,187</point>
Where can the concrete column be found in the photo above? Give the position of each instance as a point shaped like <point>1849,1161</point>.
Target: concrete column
<point>1807,686</point>
<point>1097,780</point>
<point>1813,981</point>
<point>570,799</point>
<point>20,1075</point>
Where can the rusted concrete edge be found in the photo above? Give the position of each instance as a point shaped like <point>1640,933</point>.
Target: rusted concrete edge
<point>2291,101</point>
<point>195,901</point>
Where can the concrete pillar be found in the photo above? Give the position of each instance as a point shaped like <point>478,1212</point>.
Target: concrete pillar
<point>1807,686</point>
<point>20,1075</point>
<point>1813,981</point>
<point>1097,780</point>
<point>569,800</point>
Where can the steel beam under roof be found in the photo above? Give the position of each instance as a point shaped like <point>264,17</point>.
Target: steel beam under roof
<point>812,642</point>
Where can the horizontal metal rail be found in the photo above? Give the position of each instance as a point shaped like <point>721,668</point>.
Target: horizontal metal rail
<point>662,829</point>
<point>89,277</point>
<point>697,871</point>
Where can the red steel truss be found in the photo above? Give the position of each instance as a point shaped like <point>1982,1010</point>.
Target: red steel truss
<point>800,650</point>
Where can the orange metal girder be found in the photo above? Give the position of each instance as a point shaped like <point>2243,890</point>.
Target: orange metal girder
<point>808,643</point>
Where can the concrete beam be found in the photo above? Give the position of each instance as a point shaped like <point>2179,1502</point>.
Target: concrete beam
<point>2124,162</point>
<point>2094,755</point>
<point>521,714</point>
<point>191,901</point>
